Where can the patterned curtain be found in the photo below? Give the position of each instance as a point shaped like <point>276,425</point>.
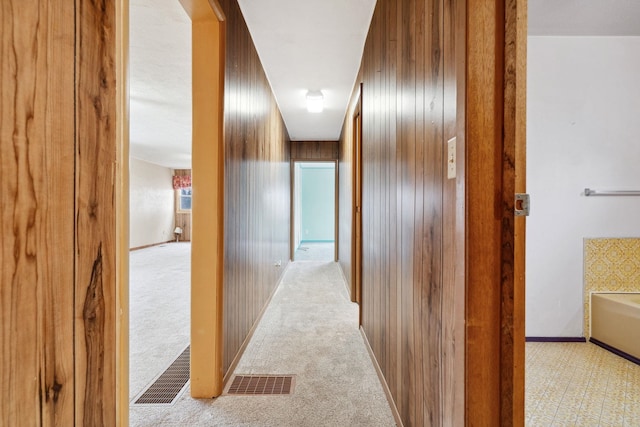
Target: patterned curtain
<point>181,181</point>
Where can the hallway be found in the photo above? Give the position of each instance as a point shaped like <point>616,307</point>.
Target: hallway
<point>309,330</point>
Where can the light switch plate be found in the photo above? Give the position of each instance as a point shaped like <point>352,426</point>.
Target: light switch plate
<point>451,158</point>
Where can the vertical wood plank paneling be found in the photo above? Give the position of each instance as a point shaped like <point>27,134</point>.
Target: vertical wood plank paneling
<point>453,219</point>
<point>314,150</point>
<point>257,185</point>
<point>453,240</point>
<point>413,219</point>
<point>432,291</point>
<point>36,187</point>
<point>95,301</point>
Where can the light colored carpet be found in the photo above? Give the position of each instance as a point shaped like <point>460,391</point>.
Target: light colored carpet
<point>315,251</point>
<point>309,330</point>
<point>159,298</point>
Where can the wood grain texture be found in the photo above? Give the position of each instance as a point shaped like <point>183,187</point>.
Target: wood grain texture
<point>257,186</point>
<point>58,173</point>
<point>495,95</point>
<point>410,304</point>
<point>122,212</point>
<point>314,150</point>
<point>37,219</point>
<point>453,301</point>
<point>183,219</point>
<point>95,270</point>
<point>484,159</point>
<point>519,98</point>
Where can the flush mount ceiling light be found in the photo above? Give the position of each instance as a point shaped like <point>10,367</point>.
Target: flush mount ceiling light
<point>315,101</point>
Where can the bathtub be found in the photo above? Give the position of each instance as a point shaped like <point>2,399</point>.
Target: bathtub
<point>615,323</point>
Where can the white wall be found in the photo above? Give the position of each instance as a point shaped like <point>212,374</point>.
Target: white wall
<point>152,204</point>
<point>318,202</point>
<point>583,130</point>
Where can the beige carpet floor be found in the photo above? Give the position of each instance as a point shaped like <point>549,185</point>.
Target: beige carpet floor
<point>159,289</point>
<point>315,251</point>
<point>309,330</point>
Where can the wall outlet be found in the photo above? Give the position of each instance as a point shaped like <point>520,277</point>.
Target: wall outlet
<point>451,158</point>
<point>278,263</point>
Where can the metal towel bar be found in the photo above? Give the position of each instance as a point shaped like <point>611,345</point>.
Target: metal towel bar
<point>591,192</point>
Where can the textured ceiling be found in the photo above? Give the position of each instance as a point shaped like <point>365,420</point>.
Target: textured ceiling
<point>160,83</point>
<point>303,45</point>
<point>584,17</point>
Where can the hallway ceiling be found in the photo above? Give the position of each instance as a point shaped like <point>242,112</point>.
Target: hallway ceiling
<point>310,45</point>
<point>303,45</point>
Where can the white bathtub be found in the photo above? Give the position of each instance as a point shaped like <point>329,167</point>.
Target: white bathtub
<point>615,322</point>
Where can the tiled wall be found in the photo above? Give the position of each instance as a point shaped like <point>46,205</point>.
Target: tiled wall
<point>610,265</point>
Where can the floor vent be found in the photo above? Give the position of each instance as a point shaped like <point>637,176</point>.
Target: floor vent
<point>169,385</point>
<point>261,384</point>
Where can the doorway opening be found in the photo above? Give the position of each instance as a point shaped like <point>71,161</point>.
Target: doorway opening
<point>159,185</point>
<point>200,299</point>
<point>314,211</point>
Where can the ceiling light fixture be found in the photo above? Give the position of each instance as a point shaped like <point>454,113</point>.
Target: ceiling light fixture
<point>315,101</point>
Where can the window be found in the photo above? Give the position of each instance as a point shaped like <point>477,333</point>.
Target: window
<point>184,199</point>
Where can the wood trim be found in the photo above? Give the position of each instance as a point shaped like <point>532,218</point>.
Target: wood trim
<point>383,381</point>
<point>137,248</point>
<point>122,212</point>
<point>556,339</point>
<point>495,310</point>
<point>200,10</point>
<point>207,241</point>
<point>245,343</point>
<point>356,202</point>
<point>518,24</point>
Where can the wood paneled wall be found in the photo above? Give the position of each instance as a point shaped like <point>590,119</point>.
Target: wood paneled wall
<point>59,180</point>
<point>257,186</point>
<point>413,240</point>
<point>183,219</point>
<point>314,150</point>
<point>443,263</point>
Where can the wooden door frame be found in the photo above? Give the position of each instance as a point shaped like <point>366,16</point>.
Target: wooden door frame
<point>208,379</point>
<point>122,211</point>
<point>356,217</point>
<point>292,205</point>
<point>207,240</point>
<point>496,32</point>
